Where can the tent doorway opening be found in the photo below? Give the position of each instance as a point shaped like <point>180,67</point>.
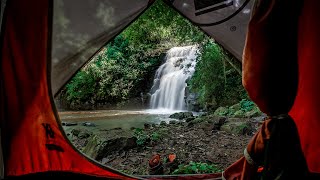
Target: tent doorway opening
<point>160,87</point>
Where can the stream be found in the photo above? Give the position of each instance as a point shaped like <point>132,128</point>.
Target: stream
<point>125,119</point>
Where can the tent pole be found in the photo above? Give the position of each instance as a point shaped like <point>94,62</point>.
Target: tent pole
<point>2,6</point>
<point>1,160</point>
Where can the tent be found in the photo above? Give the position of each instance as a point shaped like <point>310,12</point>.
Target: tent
<point>45,42</point>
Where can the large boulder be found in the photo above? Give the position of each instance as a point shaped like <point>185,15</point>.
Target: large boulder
<point>100,146</point>
<point>181,115</point>
<point>234,108</point>
<point>115,144</point>
<point>221,111</point>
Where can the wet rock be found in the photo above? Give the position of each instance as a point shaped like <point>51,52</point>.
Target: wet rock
<point>203,114</point>
<point>88,124</point>
<point>163,123</point>
<point>190,119</point>
<point>84,134</point>
<point>172,122</point>
<point>147,126</point>
<point>69,123</point>
<point>75,132</point>
<point>181,115</point>
<point>192,100</point>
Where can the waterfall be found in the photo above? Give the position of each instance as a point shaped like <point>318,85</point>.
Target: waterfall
<point>169,84</point>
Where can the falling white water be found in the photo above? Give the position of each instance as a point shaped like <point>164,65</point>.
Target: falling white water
<point>169,84</point>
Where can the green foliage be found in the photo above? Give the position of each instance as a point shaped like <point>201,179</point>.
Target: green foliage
<point>246,105</point>
<point>141,136</point>
<point>214,79</point>
<point>155,136</point>
<point>161,25</point>
<point>245,108</point>
<point>196,168</point>
<point>126,66</point>
<point>113,76</point>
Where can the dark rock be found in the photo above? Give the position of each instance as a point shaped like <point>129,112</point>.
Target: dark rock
<point>190,119</point>
<point>84,134</point>
<point>172,122</point>
<point>69,123</point>
<point>191,123</point>
<point>163,123</point>
<point>181,115</point>
<point>147,126</point>
<point>116,144</point>
<point>88,124</point>
<point>218,122</point>
<point>75,132</point>
<point>203,114</point>
<point>192,101</point>
<point>237,127</point>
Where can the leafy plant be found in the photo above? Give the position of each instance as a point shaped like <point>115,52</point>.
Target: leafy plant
<point>141,136</point>
<point>246,105</point>
<point>196,168</point>
<point>155,136</point>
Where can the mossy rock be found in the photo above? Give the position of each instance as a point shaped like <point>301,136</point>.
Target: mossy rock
<point>234,108</point>
<point>255,112</point>
<point>237,127</point>
<point>239,114</point>
<point>221,111</point>
<point>92,147</point>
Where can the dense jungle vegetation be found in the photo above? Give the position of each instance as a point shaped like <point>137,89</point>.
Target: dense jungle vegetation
<point>123,70</point>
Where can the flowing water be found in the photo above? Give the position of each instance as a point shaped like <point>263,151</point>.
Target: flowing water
<point>168,90</point>
<point>109,119</point>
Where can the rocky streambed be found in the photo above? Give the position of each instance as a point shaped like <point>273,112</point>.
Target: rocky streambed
<point>214,140</point>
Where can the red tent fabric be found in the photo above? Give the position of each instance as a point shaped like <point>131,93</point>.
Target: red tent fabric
<point>33,140</point>
<point>279,72</point>
<point>307,102</point>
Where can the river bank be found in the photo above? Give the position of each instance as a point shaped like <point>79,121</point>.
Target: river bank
<point>214,140</point>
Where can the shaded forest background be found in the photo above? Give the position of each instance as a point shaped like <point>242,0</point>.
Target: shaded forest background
<point>122,72</point>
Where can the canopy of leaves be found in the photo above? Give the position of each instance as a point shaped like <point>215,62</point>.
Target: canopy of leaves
<point>215,80</point>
